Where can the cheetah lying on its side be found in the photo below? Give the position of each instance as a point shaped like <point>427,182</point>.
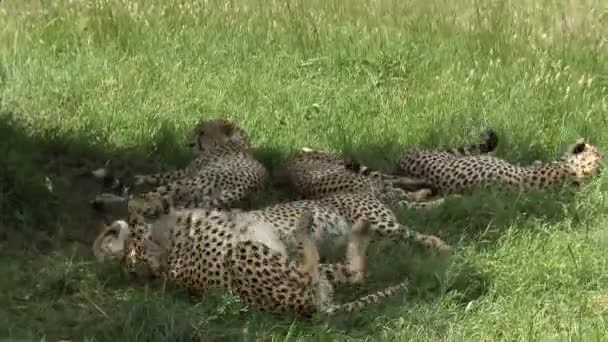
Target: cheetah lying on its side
<point>224,160</point>
<point>201,249</point>
<point>449,173</point>
<point>315,174</point>
<point>487,146</point>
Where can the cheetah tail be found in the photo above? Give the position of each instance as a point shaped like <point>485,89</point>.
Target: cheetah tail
<point>361,302</point>
<point>490,141</point>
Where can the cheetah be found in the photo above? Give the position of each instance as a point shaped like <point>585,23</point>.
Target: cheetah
<point>223,160</point>
<point>314,174</point>
<point>457,173</point>
<point>201,249</point>
<point>332,215</point>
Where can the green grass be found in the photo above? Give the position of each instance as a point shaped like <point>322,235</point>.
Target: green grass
<point>96,80</point>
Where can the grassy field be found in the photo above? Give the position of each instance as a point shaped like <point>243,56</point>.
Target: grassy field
<point>83,82</point>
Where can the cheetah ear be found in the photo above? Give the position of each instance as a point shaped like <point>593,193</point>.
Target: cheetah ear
<point>110,242</point>
<point>227,128</point>
<point>578,147</point>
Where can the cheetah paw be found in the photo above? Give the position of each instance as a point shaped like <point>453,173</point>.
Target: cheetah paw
<point>438,245</point>
<point>105,199</point>
<point>140,180</point>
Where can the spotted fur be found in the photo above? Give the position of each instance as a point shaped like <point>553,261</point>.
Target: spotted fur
<point>332,217</point>
<point>201,249</point>
<point>223,160</point>
<point>488,145</point>
<point>449,173</point>
<point>315,174</point>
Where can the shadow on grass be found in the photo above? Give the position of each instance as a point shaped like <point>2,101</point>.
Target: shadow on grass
<point>57,290</point>
<point>46,184</point>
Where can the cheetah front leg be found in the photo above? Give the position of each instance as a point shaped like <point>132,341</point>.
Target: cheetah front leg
<point>196,192</point>
<point>394,231</point>
<point>404,182</point>
<point>398,198</point>
<point>354,270</point>
<point>172,181</point>
<point>327,276</point>
<point>159,178</point>
<point>306,258</point>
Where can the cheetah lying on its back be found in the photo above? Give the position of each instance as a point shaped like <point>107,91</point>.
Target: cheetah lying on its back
<point>199,249</point>
<point>224,160</point>
<point>332,217</point>
<point>450,173</point>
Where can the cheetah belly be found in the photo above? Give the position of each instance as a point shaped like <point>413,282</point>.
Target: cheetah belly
<point>260,231</point>
<point>329,228</point>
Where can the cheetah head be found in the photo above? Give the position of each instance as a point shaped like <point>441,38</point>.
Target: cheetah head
<point>110,243</point>
<point>209,135</point>
<point>584,159</point>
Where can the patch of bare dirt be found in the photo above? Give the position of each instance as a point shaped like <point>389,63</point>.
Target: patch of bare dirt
<point>72,179</point>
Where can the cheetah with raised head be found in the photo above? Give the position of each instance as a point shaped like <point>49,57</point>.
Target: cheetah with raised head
<point>223,160</point>
<point>450,173</point>
<point>200,249</point>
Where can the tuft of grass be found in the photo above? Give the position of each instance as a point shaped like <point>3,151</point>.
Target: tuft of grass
<point>84,82</point>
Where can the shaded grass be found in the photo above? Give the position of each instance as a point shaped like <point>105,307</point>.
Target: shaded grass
<point>86,82</point>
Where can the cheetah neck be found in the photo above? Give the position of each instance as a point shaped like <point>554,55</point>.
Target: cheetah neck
<point>539,176</point>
